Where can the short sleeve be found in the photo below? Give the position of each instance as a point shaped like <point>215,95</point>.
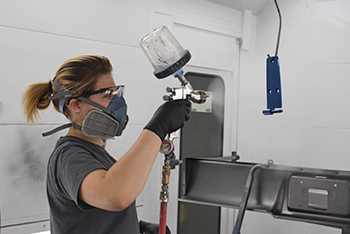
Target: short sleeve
<point>74,164</point>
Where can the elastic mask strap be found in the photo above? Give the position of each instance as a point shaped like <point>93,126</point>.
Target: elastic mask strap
<point>45,134</point>
<point>88,101</point>
<point>61,94</point>
<point>60,128</point>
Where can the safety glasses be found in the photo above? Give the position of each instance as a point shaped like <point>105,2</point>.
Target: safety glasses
<point>109,94</point>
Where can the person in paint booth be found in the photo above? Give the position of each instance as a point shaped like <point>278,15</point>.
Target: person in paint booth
<point>88,190</point>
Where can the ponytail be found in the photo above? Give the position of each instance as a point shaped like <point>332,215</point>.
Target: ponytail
<point>35,98</point>
<point>77,75</point>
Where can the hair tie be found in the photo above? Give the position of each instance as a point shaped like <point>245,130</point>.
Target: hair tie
<point>50,87</point>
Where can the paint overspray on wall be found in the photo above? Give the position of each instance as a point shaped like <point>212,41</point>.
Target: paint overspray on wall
<point>1,108</point>
<point>23,172</point>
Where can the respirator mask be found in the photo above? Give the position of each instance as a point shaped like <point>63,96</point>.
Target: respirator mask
<point>105,123</point>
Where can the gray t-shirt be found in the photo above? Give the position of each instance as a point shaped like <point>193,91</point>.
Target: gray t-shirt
<point>70,162</point>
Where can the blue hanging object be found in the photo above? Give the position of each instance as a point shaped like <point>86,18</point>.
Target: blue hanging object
<point>273,86</point>
<point>273,77</point>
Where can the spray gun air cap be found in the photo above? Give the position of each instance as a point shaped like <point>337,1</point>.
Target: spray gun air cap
<point>164,52</point>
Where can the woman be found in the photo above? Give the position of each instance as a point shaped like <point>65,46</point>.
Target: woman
<point>88,191</point>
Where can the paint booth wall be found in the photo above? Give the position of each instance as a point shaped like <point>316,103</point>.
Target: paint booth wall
<point>38,36</point>
<point>313,131</point>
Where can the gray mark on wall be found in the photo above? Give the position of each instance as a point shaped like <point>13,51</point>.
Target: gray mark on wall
<point>1,108</point>
<point>23,159</point>
<point>27,164</point>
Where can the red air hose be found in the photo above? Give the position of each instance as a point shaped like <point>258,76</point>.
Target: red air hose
<point>164,195</point>
<point>162,217</point>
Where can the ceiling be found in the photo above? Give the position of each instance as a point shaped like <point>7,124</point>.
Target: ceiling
<point>256,6</point>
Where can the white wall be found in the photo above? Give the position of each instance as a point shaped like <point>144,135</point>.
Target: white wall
<point>38,36</point>
<point>313,131</point>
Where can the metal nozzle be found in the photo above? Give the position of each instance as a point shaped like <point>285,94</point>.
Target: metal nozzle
<point>198,97</point>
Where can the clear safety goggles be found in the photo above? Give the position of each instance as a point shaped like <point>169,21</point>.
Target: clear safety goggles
<point>108,94</point>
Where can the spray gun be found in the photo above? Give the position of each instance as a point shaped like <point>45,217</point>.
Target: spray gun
<point>185,91</point>
<point>167,58</point>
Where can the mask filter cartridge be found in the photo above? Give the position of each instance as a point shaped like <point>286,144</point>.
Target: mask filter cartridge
<point>99,125</point>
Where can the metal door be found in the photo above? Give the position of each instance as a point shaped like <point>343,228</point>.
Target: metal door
<point>202,136</point>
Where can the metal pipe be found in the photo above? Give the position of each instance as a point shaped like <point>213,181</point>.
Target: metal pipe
<point>244,202</point>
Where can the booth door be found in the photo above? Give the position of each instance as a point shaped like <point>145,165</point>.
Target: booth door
<point>202,136</point>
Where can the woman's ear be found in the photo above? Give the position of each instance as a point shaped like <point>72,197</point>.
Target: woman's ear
<point>75,105</point>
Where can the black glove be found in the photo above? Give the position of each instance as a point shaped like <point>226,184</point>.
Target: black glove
<point>151,228</point>
<point>169,117</point>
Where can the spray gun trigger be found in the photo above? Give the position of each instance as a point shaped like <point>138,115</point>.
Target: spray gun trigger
<point>174,135</point>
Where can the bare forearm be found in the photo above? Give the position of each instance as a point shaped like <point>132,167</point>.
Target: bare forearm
<point>129,175</point>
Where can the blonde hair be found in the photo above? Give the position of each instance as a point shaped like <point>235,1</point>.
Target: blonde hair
<point>77,75</point>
